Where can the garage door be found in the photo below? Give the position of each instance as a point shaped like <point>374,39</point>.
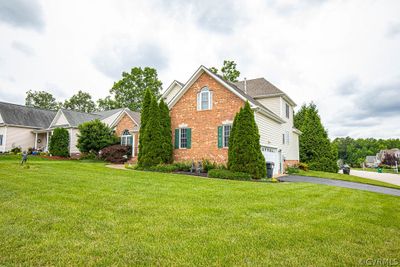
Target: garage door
<point>271,154</point>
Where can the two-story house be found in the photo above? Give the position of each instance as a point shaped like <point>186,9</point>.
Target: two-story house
<point>202,111</point>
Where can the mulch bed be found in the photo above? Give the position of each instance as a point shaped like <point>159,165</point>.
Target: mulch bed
<point>56,158</point>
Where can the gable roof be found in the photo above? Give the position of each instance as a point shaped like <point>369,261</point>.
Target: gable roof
<point>75,118</point>
<point>261,88</point>
<point>231,87</point>
<point>108,113</point>
<point>19,115</point>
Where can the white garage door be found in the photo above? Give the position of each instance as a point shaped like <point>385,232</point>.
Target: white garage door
<point>271,154</point>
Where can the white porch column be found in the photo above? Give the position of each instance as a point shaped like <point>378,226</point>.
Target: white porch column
<point>47,141</point>
<point>133,145</point>
<point>36,140</point>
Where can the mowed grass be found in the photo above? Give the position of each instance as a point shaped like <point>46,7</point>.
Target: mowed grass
<point>80,213</point>
<point>345,177</point>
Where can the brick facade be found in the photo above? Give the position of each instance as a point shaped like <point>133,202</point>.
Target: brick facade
<point>127,123</point>
<point>204,124</point>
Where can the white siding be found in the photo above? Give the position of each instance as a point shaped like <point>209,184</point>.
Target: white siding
<point>172,93</point>
<point>273,104</point>
<point>3,133</point>
<point>61,120</point>
<point>19,137</point>
<point>271,135</point>
<point>73,140</point>
<point>1,119</point>
<point>269,131</point>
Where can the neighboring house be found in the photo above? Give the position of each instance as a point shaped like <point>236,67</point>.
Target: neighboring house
<point>28,127</point>
<point>203,109</point>
<point>372,161</point>
<point>394,152</point>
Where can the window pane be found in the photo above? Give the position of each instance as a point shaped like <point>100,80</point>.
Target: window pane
<point>1,140</point>
<point>287,111</point>
<point>227,133</point>
<point>183,138</point>
<point>204,100</point>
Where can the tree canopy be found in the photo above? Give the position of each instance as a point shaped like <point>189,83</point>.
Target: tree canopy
<point>228,71</point>
<point>354,151</point>
<point>315,146</point>
<point>41,99</point>
<point>80,102</point>
<point>129,91</point>
<point>244,153</point>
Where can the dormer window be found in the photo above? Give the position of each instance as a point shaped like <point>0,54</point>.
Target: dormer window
<point>204,99</point>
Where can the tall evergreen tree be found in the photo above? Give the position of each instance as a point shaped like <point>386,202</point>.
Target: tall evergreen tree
<point>315,146</point>
<point>244,148</point>
<point>144,117</point>
<point>59,143</point>
<point>165,121</point>
<point>152,137</point>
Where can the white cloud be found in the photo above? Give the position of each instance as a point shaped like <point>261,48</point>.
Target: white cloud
<point>340,54</point>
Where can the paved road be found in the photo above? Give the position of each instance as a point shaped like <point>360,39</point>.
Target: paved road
<point>365,187</point>
<point>383,177</point>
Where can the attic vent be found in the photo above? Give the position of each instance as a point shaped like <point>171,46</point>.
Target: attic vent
<point>245,85</point>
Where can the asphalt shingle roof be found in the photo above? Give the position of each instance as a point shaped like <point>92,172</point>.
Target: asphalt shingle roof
<point>75,117</point>
<point>259,87</point>
<point>26,116</point>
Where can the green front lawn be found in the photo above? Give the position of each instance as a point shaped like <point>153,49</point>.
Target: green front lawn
<point>82,213</point>
<point>344,177</point>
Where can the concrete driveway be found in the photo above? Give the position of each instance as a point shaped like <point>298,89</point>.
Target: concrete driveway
<point>383,177</point>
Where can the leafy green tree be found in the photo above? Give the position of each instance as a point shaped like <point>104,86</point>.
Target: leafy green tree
<point>213,70</point>
<point>41,99</point>
<point>354,151</point>
<point>244,153</point>
<point>107,103</point>
<point>59,143</point>
<point>152,138</point>
<point>144,117</point>
<point>129,91</point>
<point>228,71</point>
<point>166,133</point>
<point>299,117</point>
<point>315,147</point>
<point>94,135</point>
<point>81,102</point>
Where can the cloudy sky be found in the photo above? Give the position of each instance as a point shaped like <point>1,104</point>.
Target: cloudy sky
<point>343,55</point>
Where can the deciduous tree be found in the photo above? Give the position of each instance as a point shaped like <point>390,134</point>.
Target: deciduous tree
<point>80,102</point>
<point>94,135</point>
<point>41,99</point>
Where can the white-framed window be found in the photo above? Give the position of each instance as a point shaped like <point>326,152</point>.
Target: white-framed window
<point>204,99</point>
<point>287,110</point>
<point>1,139</point>
<point>126,138</point>
<point>226,132</point>
<point>285,138</point>
<point>183,138</point>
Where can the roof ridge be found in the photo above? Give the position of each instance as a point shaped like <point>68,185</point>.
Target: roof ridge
<point>76,111</point>
<point>25,106</point>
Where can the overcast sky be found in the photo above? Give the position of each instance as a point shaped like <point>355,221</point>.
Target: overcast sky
<point>343,55</point>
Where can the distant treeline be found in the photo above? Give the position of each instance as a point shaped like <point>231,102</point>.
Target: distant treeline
<point>353,151</point>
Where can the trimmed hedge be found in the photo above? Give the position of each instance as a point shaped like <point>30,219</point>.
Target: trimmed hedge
<point>226,174</point>
<point>116,153</point>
